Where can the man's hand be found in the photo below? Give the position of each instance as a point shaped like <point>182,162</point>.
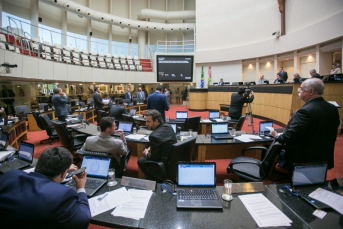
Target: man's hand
<point>1,110</point>
<point>121,134</point>
<point>273,133</point>
<point>73,167</point>
<point>146,151</point>
<point>80,180</point>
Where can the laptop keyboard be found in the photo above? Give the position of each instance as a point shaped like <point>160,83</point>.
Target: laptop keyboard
<point>17,164</point>
<point>303,194</point>
<point>92,153</point>
<point>92,184</point>
<point>197,194</point>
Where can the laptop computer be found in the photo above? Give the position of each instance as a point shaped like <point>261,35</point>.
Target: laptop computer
<point>3,140</point>
<point>83,105</point>
<point>264,129</point>
<point>306,178</point>
<point>75,121</point>
<point>173,125</point>
<point>97,168</point>
<point>213,115</point>
<point>181,116</point>
<point>220,131</point>
<point>126,127</point>
<point>46,107</point>
<point>74,102</point>
<point>25,158</point>
<point>133,111</point>
<point>197,191</point>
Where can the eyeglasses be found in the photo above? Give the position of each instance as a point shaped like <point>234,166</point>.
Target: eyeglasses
<point>301,89</point>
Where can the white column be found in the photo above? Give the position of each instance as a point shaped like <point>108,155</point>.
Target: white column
<point>276,67</point>
<point>317,58</point>
<point>130,5</point>
<point>297,68</point>
<point>1,14</point>
<point>109,29</point>
<point>89,29</point>
<point>257,66</point>
<point>342,56</point>
<point>141,44</point>
<point>34,18</point>
<point>64,28</point>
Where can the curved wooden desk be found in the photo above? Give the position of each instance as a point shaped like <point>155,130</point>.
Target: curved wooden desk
<point>274,102</point>
<point>16,132</point>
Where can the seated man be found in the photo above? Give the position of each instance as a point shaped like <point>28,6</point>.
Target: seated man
<point>104,142</point>
<point>38,200</point>
<point>297,78</point>
<point>221,82</point>
<point>161,140</point>
<point>261,80</point>
<point>278,77</point>
<point>118,110</point>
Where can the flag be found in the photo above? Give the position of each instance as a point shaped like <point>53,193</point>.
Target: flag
<point>209,76</point>
<point>202,77</point>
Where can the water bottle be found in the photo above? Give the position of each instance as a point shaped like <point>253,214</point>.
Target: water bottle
<point>134,130</point>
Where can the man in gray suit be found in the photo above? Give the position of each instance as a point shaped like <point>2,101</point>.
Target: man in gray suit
<point>59,100</point>
<point>167,94</point>
<point>104,142</point>
<point>140,94</point>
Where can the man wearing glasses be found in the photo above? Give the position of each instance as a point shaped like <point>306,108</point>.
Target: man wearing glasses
<point>311,134</point>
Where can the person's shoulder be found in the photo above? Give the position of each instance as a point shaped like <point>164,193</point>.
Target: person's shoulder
<point>12,173</point>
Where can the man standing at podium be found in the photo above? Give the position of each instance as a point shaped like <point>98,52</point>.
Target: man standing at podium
<point>311,134</point>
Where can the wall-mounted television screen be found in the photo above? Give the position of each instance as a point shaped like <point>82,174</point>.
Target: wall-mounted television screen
<point>174,68</point>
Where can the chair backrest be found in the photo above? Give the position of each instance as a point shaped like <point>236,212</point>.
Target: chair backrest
<point>47,124</point>
<point>44,100</point>
<point>240,122</point>
<point>270,157</point>
<point>110,104</point>
<point>128,118</point>
<point>101,114</point>
<point>192,123</point>
<point>38,121</point>
<point>70,111</point>
<point>65,137</point>
<point>41,105</point>
<point>181,151</point>
<point>22,108</point>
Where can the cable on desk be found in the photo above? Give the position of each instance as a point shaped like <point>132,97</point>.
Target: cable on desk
<point>170,183</point>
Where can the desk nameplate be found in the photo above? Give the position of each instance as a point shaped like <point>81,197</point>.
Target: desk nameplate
<point>138,183</point>
<point>247,187</point>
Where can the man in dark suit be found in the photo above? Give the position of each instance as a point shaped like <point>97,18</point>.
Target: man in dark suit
<point>161,140</point>
<point>314,74</point>
<point>98,104</point>
<point>128,94</point>
<point>38,200</point>
<point>237,102</point>
<point>311,134</point>
<point>158,101</point>
<point>8,103</point>
<point>221,82</point>
<point>59,101</point>
<point>283,74</point>
<point>118,110</point>
<point>297,78</point>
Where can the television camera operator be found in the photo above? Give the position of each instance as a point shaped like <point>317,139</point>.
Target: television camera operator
<point>237,101</point>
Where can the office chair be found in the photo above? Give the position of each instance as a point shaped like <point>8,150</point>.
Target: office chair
<point>101,114</point>
<point>253,169</point>
<point>192,123</point>
<point>44,121</point>
<point>22,108</point>
<point>41,106</point>
<point>70,111</point>
<point>121,167</point>
<point>180,151</point>
<point>238,124</point>
<point>129,118</point>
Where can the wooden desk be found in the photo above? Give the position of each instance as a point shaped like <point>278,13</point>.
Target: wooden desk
<point>88,114</point>
<point>140,108</point>
<point>32,121</point>
<point>17,132</point>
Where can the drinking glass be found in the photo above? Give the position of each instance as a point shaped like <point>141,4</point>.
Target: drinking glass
<point>227,190</point>
<point>111,179</point>
<point>190,132</point>
<point>233,132</point>
<point>167,119</point>
<point>134,130</point>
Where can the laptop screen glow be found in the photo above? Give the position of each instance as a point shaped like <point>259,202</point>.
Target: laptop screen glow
<point>263,126</point>
<point>173,125</point>
<point>181,114</point>
<point>219,128</point>
<point>214,114</point>
<point>3,139</point>
<point>309,174</point>
<point>96,166</point>
<point>26,151</point>
<point>125,126</point>
<point>133,111</point>
<point>205,175</point>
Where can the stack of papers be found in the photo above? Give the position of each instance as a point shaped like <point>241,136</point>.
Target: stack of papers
<point>5,154</point>
<point>206,120</point>
<point>251,136</point>
<point>264,212</point>
<point>244,139</point>
<point>332,199</point>
<point>135,136</point>
<point>136,208</point>
<point>219,120</point>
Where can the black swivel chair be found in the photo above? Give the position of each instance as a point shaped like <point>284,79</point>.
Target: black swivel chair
<point>41,106</point>
<point>253,169</point>
<point>180,151</point>
<point>124,160</point>
<point>129,118</point>
<point>192,123</point>
<point>237,125</point>
<point>70,111</point>
<point>45,125</point>
<point>22,108</point>
<point>101,114</point>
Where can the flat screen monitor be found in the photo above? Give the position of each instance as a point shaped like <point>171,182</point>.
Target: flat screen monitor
<point>174,68</point>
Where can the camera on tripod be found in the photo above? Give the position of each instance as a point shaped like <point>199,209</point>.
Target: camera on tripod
<point>247,90</point>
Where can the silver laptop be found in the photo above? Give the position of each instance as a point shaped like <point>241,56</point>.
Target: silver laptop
<point>133,111</point>
<point>126,127</point>
<point>196,185</point>
<point>213,115</point>
<point>220,131</point>
<point>264,129</point>
<point>97,168</point>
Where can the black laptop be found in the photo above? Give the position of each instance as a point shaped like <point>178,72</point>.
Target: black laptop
<point>214,115</point>
<point>181,116</point>
<point>25,158</point>
<point>264,129</point>
<point>97,168</point>
<point>196,185</point>
<point>220,131</point>
<point>306,178</point>
<point>3,140</point>
<point>126,127</point>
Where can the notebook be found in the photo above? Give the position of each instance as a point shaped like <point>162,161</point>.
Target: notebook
<point>173,125</point>
<point>3,140</point>
<point>197,191</point>
<point>25,158</point>
<point>306,178</point>
<point>97,168</point>
<point>264,125</point>
<point>126,127</point>
<point>181,115</point>
<point>213,115</point>
<point>220,131</point>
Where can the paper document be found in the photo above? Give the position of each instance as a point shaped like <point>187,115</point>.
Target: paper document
<point>251,136</point>
<point>5,154</point>
<point>219,120</point>
<point>332,199</point>
<point>206,120</point>
<point>135,136</point>
<point>244,139</point>
<point>270,128</point>
<point>334,103</point>
<point>29,170</point>
<point>136,208</point>
<point>146,138</point>
<point>108,200</point>
<point>264,212</point>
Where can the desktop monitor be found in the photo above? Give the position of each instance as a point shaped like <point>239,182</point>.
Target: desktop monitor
<point>214,114</point>
<point>181,114</point>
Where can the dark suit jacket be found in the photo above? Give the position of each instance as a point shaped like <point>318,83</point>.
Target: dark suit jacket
<point>284,76</point>
<point>35,201</point>
<point>161,141</point>
<point>236,105</point>
<point>6,94</point>
<point>316,75</point>
<point>311,134</point>
<point>60,105</point>
<point>97,101</point>
<point>117,111</point>
<point>221,83</point>
<point>127,96</point>
<point>158,102</point>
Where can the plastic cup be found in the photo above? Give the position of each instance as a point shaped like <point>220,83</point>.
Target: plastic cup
<point>111,178</point>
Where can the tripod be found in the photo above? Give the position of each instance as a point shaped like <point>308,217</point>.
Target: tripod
<point>250,118</point>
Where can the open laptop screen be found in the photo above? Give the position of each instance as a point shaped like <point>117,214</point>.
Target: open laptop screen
<point>173,125</point>
<point>205,174</point>
<point>263,126</point>
<point>181,114</point>
<point>125,126</point>
<point>133,111</point>
<point>96,166</point>
<point>220,128</point>
<point>309,174</point>
<point>3,139</point>
<point>214,114</point>
<point>26,151</point>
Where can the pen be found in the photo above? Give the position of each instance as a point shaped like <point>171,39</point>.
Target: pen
<point>101,198</point>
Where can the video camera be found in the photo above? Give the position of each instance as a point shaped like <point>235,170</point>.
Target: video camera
<point>247,90</point>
